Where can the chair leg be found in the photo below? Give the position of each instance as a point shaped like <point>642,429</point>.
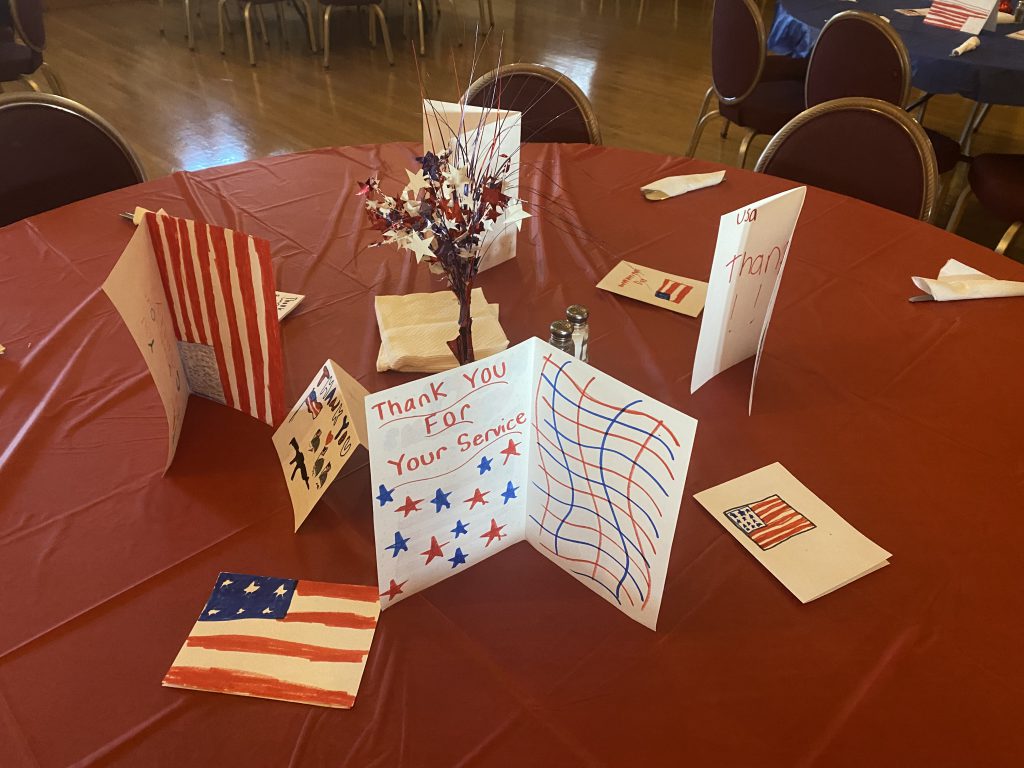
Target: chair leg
<point>30,83</point>
<point>973,124</point>
<point>958,209</point>
<point>419,24</point>
<point>725,130</point>
<point>372,29</point>
<point>702,118</point>
<point>483,15</point>
<point>279,13</point>
<point>327,35</point>
<point>222,15</point>
<point>310,29</point>
<point>490,14</point>
<point>188,27</point>
<point>247,19</point>
<point>161,4</point>
<point>376,10</point>
<point>1009,236</point>
<point>745,146</point>
<point>263,25</point>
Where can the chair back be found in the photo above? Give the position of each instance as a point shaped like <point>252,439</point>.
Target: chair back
<point>858,54</point>
<point>54,152</point>
<point>28,21</point>
<point>738,49</point>
<point>863,148</point>
<point>553,106</point>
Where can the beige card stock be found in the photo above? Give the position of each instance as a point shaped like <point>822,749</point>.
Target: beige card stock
<point>791,532</point>
<point>652,286</point>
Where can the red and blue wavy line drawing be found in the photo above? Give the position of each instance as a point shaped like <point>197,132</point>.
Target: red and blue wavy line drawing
<point>606,467</point>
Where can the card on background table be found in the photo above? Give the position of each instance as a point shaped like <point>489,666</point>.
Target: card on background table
<point>971,16</point>
<point>287,303</point>
<point>652,286</point>
<point>799,538</point>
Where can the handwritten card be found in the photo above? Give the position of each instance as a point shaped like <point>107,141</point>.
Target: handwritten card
<point>319,436</point>
<point>753,244</point>
<point>651,286</point>
<point>287,303</point>
<point>791,532</point>
<point>529,444</point>
<point>969,16</point>
<point>911,11</point>
<point>1018,35</point>
<point>285,639</point>
<point>202,295</point>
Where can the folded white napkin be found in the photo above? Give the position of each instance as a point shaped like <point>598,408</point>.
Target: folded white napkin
<point>958,281</point>
<point>680,185</point>
<point>972,43</point>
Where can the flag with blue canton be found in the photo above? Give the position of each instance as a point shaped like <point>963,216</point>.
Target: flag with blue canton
<point>241,596</point>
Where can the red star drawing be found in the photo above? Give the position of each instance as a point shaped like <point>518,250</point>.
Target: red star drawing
<point>435,550</point>
<point>494,533</point>
<point>477,498</point>
<point>393,590</point>
<point>510,451</point>
<point>409,506</point>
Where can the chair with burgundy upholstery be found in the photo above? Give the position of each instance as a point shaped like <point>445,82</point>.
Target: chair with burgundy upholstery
<point>376,13</point>
<point>553,106</point>
<point>884,156</point>
<point>754,90</point>
<point>20,60</point>
<point>54,152</point>
<point>247,6</point>
<point>859,54</point>
<point>998,183</point>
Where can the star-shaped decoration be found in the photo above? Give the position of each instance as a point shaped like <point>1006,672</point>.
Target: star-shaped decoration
<point>213,612</point>
<point>251,588</point>
<point>384,495</point>
<point>226,582</point>
<point>266,610</point>
<point>420,247</point>
<point>280,591</point>
<point>240,610</point>
<point>477,498</point>
<point>400,544</point>
<point>440,500</point>
<point>484,465</point>
<point>434,551</point>
<point>393,591</point>
<point>509,493</point>
<point>459,529</point>
<point>514,214</point>
<point>510,451</point>
<point>417,181</point>
<point>459,558</point>
<point>409,506</point>
<point>494,533</point>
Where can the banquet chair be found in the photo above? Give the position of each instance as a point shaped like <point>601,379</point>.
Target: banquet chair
<point>998,182</point>
<point>886,158</point>
<point>376,13</point>
<point>18,61</point>
<point>882,70</point>
<point>56,151</point>
<point>754,90</point>
<point>247,6</point>
<point>188,23</point>
<point>554,108</point>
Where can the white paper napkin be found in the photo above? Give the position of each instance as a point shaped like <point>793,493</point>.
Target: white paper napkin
<point>958,281</point>
<point>972,43</point>
<point>680,185</point>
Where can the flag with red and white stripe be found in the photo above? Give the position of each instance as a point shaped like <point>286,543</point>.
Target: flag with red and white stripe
<point>301,641</point>
<point>769,522</point>
<point>954,14</point>
<point>220,289</point>
<point>672,290</point>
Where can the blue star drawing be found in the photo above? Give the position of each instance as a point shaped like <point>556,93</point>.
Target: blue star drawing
<point>400,544</point>
<point>509,493</point>
<point>459,558</point>
<point>384,495</point>
<point>484,465</point>
<point>459,529</point>
<point>440,500</point>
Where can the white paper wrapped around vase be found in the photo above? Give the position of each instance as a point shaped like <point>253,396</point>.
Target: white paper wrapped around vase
<point>415,330</point>
<point>957,281</point>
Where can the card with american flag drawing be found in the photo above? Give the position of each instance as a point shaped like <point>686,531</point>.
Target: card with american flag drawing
<point>793,533</point>
<point>651,286</point>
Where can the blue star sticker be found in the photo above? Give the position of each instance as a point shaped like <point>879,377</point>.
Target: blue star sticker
<point>459,558</point>
<point>509,493</point>
<point>399,545</point>
<point>384,495</point>
<point>484,465</point>
<point>459,529</point>
<point>440,500</point>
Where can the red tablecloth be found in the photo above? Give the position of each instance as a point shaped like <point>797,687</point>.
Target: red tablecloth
<point>903,417</point>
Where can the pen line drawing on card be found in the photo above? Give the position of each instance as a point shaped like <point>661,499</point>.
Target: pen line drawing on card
<point>616,537</point>
<point>769,522</point>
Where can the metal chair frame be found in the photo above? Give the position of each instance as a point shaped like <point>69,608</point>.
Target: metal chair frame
<point>223,21</point>
<point>1009,236</point>
<point>56,85</point>
<point>916,133</point>
<point>554,77</point>
<point>376,13</point>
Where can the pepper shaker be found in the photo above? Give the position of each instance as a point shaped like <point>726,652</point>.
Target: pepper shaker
<point>578,317</point>
<point>561,337</point>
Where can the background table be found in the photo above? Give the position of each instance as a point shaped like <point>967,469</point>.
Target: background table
<point>992,73</point>
<point>904,417</point>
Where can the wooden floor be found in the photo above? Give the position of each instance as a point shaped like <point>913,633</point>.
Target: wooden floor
<point>644,64</point>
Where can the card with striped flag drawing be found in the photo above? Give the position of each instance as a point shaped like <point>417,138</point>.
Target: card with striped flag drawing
<point>793,533</point>
<point>651,286</point>
<point>285,639</point>
<point>199,301</point>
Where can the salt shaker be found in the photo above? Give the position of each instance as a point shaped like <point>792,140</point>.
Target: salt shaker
<point>561,337</point>
<point>579,318</point>
<point>1018,15</point>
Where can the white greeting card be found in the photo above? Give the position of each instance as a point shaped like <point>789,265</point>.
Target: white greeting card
<point>287,303</point>
<point>971,16</point>
<point>652,286</point>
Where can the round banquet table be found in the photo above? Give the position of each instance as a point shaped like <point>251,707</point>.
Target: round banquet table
<point>992,73</point>
<point>905,418</point>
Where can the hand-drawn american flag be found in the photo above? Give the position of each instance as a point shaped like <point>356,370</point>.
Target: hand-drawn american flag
<point>953,15</point>
<point>769,522</point>
<point>220,287</point>
<point>301,641</point>
<point>672,291</point>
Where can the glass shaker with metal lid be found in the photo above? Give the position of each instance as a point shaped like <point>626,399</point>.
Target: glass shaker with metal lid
<point>561,337</point>
<point>578,317</point>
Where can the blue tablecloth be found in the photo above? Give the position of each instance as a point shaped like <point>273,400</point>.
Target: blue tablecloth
<point>992,73</point>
